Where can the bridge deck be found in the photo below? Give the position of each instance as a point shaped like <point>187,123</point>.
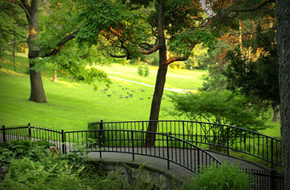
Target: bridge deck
<point>161,165</point>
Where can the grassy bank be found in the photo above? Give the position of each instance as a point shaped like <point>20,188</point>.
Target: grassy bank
<point>72,105</point>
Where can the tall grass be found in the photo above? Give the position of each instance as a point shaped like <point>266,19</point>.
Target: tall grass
<point>223,177</point>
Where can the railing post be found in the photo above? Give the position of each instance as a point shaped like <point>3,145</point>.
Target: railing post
<point>133,152</point>
<point>100,136</point>
<point>167,152</point>
<point>101,133</point>
<point>63,142</point>
<point>272,180</point>
<point>3,127</point>
<point>228,143</point>
<point>29,131</point>
<point>272,154</point>
<point>101,124</point>
<point>183,130</point>
<point>198,160</point>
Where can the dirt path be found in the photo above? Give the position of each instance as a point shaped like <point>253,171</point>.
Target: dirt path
<point>170,89</point>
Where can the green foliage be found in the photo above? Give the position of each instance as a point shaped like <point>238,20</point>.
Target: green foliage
<point>257,80</point>
<point>183,42</point>
<point>143,70</point>
<point>20,149</point>
<point>12,27</point>
<point>76,65</point>
<point>196,61</point>
<point>118,28</point>
<point>215,62</point>
<point>59,20</point>
<point>222,177</point>
<point>177,65</point>
<point>217,107</point>
<point>51,172</point>
<point>56,20</point>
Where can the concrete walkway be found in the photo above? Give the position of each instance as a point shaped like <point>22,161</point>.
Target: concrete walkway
<point>161,165</point>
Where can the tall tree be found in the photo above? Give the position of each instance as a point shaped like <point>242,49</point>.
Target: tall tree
<point>253,67</point>
<point>283,43</point>
<point>31,9</point>
<point>133,28</point>
<point>57,29</point>
<point>176,25</point>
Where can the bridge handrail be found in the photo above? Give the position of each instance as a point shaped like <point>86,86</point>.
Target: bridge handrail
<point>220,137</point>
<point>192,158</point>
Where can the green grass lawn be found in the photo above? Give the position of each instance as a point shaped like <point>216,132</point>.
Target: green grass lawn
<point>176,78</point>
<point>72,105</point>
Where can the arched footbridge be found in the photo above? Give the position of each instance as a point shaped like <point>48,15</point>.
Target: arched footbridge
<point>188,144</point>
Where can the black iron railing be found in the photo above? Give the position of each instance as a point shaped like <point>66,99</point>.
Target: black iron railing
<point>167,147</point>
<point>222,138</point>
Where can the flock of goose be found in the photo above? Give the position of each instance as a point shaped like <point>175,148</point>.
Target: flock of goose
<point>128,93</point>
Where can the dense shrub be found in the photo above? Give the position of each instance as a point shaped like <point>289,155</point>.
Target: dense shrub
<point>217,107</point>
<point>33,166</point>
<point>143,70</point>
<point>19,149</point>
<point>222,177</point>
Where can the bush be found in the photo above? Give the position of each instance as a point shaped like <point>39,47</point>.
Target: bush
<point>19,149</point>
<point>38,168</point>
<point>143,70</point>
<point>223,177</point>
<point>217,107</point>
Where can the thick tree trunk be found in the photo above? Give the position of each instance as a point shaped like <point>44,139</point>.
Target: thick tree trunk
<point>36,87</point>
<point>283,44</point>
<point>37,93</point>
<point>160,79</point>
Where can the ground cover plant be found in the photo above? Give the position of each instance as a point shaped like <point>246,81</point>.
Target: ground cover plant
<point>33,166</point>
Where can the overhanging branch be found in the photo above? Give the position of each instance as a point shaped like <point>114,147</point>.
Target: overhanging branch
<point>62,43</point>
<point>117,56</point>
<point>154,49</point>
<point>24,6</point>
<point>13,33</point>
<point>146,46</point>
<point>173,59</point>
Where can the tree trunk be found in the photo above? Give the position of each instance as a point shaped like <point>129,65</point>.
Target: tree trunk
<point>276,114</point>
<point>37,93</point>
<point>160,79</point>
<point>283,45</point>
<point>54,77</point>
<point>36,87</point>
